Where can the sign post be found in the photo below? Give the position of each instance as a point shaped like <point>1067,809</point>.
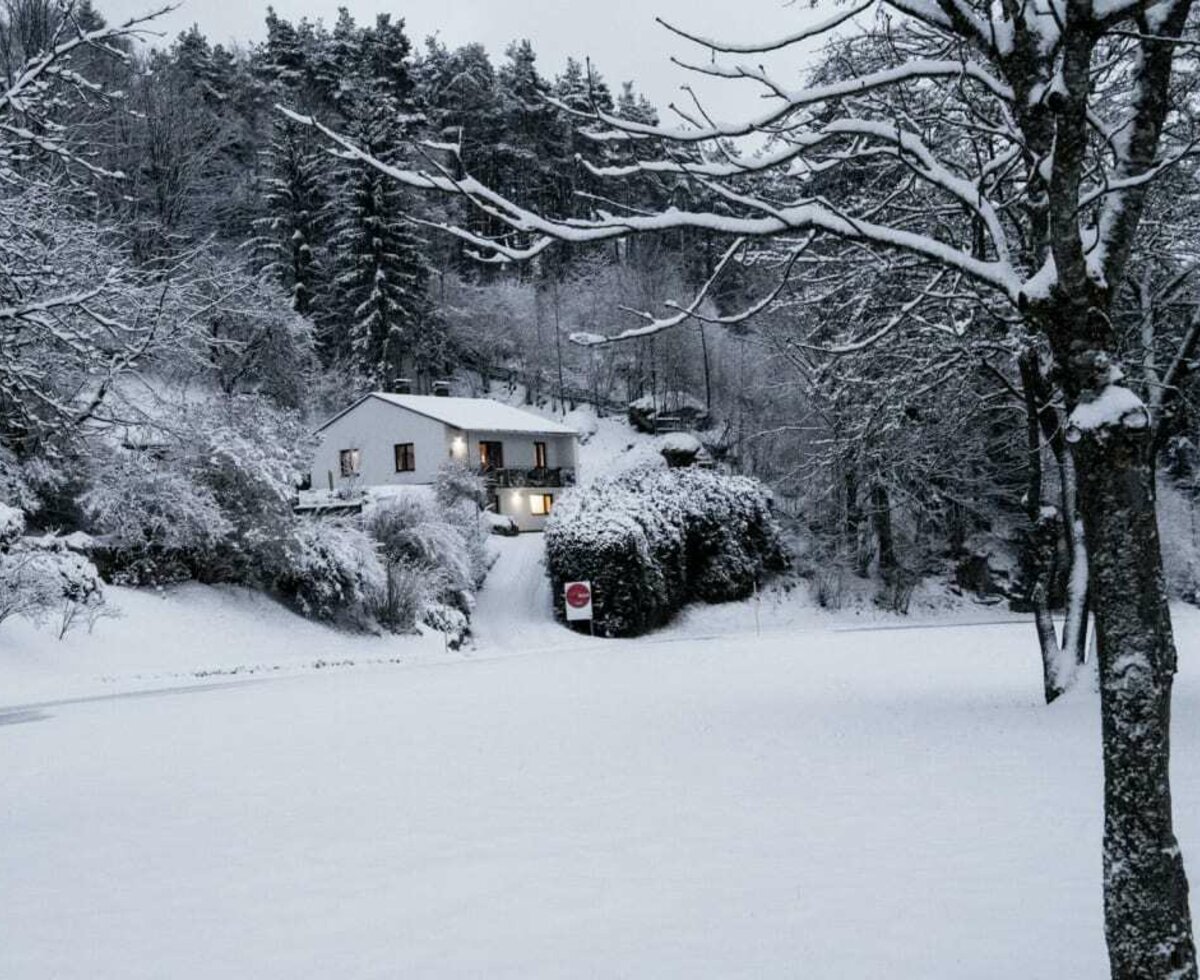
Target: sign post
<point>578,597</point>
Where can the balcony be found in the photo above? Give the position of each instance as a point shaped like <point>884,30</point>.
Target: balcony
<point>505,478</point>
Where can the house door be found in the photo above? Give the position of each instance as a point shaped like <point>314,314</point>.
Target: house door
<point>491,455</point>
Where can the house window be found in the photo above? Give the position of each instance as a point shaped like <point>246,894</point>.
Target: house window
<point>349,460</point>
<point>406,457</point>
<point>491,455</point>
<point>540,504</point>
<point>539,455</point>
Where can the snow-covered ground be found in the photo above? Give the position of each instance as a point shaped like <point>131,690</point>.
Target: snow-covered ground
<point>184,635</point>
<point>810,796</point>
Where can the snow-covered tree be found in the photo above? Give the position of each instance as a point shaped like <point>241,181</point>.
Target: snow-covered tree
<point>292,233</point>
<point>382,305</point>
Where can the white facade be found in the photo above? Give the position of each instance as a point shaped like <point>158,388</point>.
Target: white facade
<point>367,435</point>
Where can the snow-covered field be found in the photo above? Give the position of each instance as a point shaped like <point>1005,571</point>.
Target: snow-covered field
<point>823,798</point>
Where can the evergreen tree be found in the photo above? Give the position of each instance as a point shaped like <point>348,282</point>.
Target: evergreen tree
<point>536,152</point>
<point>382,323</point>
<point>381,300</point>
<point>291,235</point>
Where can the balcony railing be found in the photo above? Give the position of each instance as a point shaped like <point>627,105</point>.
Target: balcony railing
<point>542,476</point>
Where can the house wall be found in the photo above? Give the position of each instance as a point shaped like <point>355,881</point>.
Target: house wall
<point>374,428</point>
<point>515,503</point>
<point>518,448</point>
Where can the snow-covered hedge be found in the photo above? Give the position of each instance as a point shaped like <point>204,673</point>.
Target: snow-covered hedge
<point>651,541</point>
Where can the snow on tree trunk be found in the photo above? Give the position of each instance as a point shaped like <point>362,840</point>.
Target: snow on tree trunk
<point>1147,920</point>
<point>1074,642</point>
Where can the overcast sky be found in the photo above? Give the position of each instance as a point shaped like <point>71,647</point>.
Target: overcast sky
<point>620,36</point>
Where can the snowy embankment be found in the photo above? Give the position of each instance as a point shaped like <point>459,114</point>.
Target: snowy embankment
<point>185,634</point>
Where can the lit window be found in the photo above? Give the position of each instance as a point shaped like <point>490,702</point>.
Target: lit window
<point>350,460</point>
<point>539,455</point>
<point>541,503</point>
<point>491,455</point>
<point>406,457</point>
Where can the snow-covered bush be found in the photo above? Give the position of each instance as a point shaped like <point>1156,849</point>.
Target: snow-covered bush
<point>652,540</point>
<point>449,620</point>
<point>456,484</point>
<point>436,558</point>
<point>503,524</point>
<point>42,579</point>
<point>412,532</point>
<point>156,520</point>
<point>205,492</point>
<point>332,572</point>
<point>411,592</point>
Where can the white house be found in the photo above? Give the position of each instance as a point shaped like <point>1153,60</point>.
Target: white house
<point>397,440</point>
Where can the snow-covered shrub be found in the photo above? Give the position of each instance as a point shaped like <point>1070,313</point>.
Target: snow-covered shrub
<point>12,525</point>
<point>249,455</point>
<point>828,586</point>
<point>412,532</point>
<point>436,558</point>
<point>26,482</point>
<point>332,572</point>
<point>456,484</point>
<point>502,524</point>
<point>652,540</point>
<point>42,578</point>
<point>206,494</point>
<point>410,592</point>
<point>448,620</point>
<point>156,521</point>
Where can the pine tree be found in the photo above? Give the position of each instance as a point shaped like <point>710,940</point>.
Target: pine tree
<point>382,322</point>
<point>292,233</point>
<point>536,153</point>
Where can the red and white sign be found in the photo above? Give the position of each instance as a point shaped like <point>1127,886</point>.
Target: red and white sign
<point>579,600</point>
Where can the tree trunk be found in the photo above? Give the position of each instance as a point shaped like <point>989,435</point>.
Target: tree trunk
<point>1060,661</point>
<point>881,517</point>
<point>1147,920</point>
<point>1059,668</point>
<point>1078,606</point>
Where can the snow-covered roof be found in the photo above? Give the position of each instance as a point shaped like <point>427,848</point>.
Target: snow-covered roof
<point>475,414</point>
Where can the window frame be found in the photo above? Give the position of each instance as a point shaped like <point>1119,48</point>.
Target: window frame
<point>409,452</point>
<point>540,456</point>
<point>352,456</point>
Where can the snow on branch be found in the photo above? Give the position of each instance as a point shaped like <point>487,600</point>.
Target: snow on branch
<point>814,30</point>
<point>893,322</point>
<point>31,90</point>
<point>770,221</point>
<point>693,311</point>
<point>914,69</point>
